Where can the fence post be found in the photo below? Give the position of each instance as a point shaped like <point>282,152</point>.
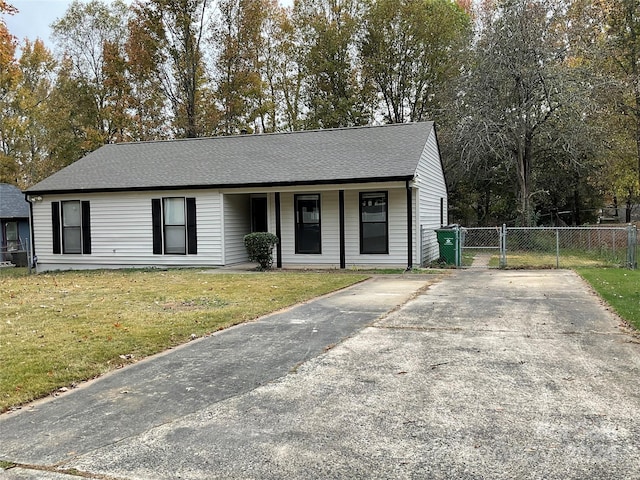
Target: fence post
<point>457,247</point>
<point>503,246</point>
<point>28,251</point>
<point>557,248</point>
<point>632,240</point>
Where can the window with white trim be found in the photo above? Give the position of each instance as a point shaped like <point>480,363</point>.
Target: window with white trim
<point>374,224</point>
<point>71,227</point>
<point>174,226</point>
<point>308,232</point>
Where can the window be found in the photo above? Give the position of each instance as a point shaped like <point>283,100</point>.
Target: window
<point>174,226</point>
<point>71,227</point>
<point>13,240</point>
<point>308,236</point>
<point>374,226</point>
<point>259,222</point>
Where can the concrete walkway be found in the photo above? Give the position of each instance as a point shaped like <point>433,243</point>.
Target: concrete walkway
<point>485,375</point>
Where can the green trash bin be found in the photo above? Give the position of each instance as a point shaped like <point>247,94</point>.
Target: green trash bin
<point>449,245</point>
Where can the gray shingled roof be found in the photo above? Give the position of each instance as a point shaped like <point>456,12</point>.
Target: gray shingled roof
<point>318,156</point>
<point>12,202</point>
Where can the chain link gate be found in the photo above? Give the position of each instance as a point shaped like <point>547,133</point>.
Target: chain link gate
<point>481,246</point>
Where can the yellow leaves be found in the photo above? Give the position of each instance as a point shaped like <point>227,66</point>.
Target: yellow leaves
<point>7,41</point>
<point>7,8</point>
<point>9,169</point>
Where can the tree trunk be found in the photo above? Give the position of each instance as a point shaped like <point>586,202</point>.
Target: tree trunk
<point>524,180</point>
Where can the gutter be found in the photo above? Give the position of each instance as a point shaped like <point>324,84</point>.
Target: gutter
<point>398,178</point>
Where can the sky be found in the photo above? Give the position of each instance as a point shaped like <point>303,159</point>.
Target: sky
<point>35,17</point>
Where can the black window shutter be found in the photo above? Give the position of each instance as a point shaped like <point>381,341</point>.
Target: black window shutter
<point>55,226</point>
<point>156,219</point>
<point>86,227</point>
<point>192,234</point>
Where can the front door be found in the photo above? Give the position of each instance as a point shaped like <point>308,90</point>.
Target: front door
<point>259,214</point>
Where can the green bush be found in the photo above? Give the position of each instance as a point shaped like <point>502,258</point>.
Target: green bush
<point>259,246</point>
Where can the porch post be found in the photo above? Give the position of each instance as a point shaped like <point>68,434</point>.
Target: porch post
<point>343,259</point>
<point>278,231</point>
<point>409,227</point>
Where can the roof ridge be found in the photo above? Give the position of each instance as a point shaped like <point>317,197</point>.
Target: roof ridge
<point>250,135</point>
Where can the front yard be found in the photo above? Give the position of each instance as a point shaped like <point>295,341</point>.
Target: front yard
<point>619,287</point>
<point>59,329</point>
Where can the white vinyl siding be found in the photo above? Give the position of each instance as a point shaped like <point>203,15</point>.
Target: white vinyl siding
<point>431,188</point>
<point>237,223</point>
<point>121,231</point>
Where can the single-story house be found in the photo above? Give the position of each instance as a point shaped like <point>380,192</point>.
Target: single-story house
<point>336,198</point>
<point>14,223</point>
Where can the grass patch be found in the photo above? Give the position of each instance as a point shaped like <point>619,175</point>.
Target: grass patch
<point>59,329</point>
<point>619,287</point>
<point>6,465</point>
<point>569,258</point>
<point>6,272</point>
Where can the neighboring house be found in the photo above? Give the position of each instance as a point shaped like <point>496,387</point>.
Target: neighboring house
<point>14,223</point>
<point>338,198</point>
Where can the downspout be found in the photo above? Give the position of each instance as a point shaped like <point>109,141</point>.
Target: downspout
<point>409,226</point>
<point>343,256</point>
<point>278,231</point>
<point>32,244</point>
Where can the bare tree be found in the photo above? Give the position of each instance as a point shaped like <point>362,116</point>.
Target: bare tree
<point>518,85</point>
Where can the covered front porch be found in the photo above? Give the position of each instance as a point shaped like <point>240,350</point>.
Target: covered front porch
<point>334,226</point>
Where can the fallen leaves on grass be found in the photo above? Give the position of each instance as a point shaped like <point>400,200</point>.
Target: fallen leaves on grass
<point>66,327</point>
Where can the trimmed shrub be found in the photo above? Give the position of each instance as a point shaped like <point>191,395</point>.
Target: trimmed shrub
<point>259,246</point>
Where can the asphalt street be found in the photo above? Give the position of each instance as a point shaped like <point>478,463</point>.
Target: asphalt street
<point>481,375</point>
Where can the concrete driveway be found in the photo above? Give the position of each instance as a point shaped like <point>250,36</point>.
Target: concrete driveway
<point>484,375</point>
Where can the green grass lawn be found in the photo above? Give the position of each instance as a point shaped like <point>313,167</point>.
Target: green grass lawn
<point>619,287</point>
<point>568,259</point>
<point>548,260</point>
<point>62,328</point>
<point>531,259</point>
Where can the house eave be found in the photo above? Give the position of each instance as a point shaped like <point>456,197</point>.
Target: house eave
<point>343,181</point>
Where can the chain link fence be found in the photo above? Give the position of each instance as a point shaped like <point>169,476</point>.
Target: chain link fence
<point>15,255</point>
<point>429,248</point>
<point>540,247</point>
<point>567,247</point>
